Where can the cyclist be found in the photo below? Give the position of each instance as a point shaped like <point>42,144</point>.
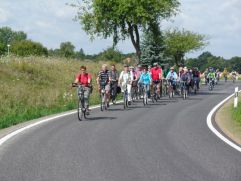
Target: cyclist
<point>172,77</point>
<point>225,74</point>
<point>156,75</point>
<point>146,80</point>
<point>103,80</point>
<point>125,81</point>
<point>114,76</point>
<point>185,77</point>
<point>84,79</point>
<point>181,71</point>
<point>206,75</point>
<point>211,75</point>
<point>234,75</point>
<point>196,76</point>
<point>134,85</point>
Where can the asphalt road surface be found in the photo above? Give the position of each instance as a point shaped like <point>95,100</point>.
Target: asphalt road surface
<point>165,141</point>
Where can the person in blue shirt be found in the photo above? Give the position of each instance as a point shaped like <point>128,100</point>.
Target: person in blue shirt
<point>172,77</point>
<point>146,80</point>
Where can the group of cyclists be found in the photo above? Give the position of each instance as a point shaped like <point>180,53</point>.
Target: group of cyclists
<point>134,79</point>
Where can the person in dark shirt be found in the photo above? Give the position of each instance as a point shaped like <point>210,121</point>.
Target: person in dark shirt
<point>103,80</point>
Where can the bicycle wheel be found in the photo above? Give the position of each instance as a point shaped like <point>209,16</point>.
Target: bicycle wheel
<point>195,88</point>
<point>144,97</point>
<point>124,100</point>
<point>102,102</point>
<point>81,110</point>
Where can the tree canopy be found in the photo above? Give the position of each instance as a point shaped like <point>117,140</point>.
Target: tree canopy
<point>123,19</point>
<point>180,42</point>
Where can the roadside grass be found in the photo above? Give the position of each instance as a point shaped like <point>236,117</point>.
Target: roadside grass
<point>229,120</point>
<point>236,113</point>
<point>33,87</point>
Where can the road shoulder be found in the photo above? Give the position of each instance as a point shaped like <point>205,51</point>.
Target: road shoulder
<point>224,121</point>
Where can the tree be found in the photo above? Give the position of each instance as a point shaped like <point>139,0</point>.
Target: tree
<point>2,49</point>
<point>67,49</point>
<point>181,42</point>
<point>152,46</point>
<point>111,54</point>
<point>80,54</point>
<point>235,64</point>
<point>123,19</point>
<point>8,36</point>
<point>28,47</point>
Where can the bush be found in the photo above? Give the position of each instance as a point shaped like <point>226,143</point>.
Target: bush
<point>28,47</point>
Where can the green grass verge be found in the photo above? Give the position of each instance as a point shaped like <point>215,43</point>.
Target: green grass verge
<point>33,87</point>
<point>236,113</point>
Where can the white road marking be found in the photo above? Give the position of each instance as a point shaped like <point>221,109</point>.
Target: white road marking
<point>14,133</point>
<point>215,131</point>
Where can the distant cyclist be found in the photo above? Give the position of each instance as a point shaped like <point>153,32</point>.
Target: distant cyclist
<point>156,75</point>
<point>104,80</point>
<point>125,81</point>
<point>172,77</point>
<point>186,78</point>
<point>114,76</point>
<point>196,76</point>
<point>225,74</point>
<point>84,79</point>
<point>211,75</point>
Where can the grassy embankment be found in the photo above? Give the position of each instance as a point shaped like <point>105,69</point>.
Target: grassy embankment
<point>35,86</point>
<point>229,120</point>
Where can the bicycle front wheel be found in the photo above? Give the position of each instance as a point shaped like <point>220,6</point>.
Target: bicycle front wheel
<point>81,111</point>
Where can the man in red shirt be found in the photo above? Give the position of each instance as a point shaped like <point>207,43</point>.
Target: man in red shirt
<point>156,75</point>
<point>84,79</point>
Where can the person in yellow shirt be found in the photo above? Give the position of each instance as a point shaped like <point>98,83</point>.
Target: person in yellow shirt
<point>225,74</point>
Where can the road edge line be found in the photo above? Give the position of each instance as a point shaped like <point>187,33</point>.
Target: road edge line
<point>214,130</point>
<point>20,130</point>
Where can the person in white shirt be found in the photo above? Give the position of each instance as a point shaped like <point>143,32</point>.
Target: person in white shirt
<point>125,81</point>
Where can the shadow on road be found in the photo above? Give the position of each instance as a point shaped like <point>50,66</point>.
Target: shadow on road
<point>100,118</point>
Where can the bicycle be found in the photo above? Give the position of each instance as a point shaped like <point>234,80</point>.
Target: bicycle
<point>184,89</point>
<point>155,93</point>
<point>170,89</point>
<point>81,110</point>
<point>125,97</point>
<point>113,91</point>
<point>211,84</point>
<point>164,87</point>
<point>103,102</point>
<point>145,94</point>
<point>195,87</point>
<point>134,91</point>
<point>234,78</point>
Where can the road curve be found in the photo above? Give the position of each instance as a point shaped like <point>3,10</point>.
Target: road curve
<point>165,141</point>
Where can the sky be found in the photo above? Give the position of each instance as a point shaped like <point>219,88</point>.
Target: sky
<point>51,22</point>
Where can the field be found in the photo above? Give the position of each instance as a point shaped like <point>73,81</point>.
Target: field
<point>33,87</point>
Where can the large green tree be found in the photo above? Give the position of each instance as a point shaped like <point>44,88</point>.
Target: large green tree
<point>123,19</point>
<point>8,36</point>
<point>180,42</point>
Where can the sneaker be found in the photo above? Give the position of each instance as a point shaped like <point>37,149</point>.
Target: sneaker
<point>149,99</point>
<point>129,103</point>
<point>108,105</point>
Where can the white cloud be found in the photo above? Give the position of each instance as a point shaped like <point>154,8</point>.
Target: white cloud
<point>4,15</point>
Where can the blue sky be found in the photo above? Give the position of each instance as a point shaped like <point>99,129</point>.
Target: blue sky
<point>50,22</point>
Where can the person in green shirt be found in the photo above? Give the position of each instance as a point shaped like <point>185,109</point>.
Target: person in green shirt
<point>211,76</point>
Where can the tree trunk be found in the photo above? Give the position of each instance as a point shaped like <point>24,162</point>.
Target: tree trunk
<point>135,39</point>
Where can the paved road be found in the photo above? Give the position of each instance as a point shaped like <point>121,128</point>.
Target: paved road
<point>168,141</point>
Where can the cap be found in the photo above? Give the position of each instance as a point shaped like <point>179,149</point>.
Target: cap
<point>155,63</point>
<point>172,68</point>
<point>131,67</point>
